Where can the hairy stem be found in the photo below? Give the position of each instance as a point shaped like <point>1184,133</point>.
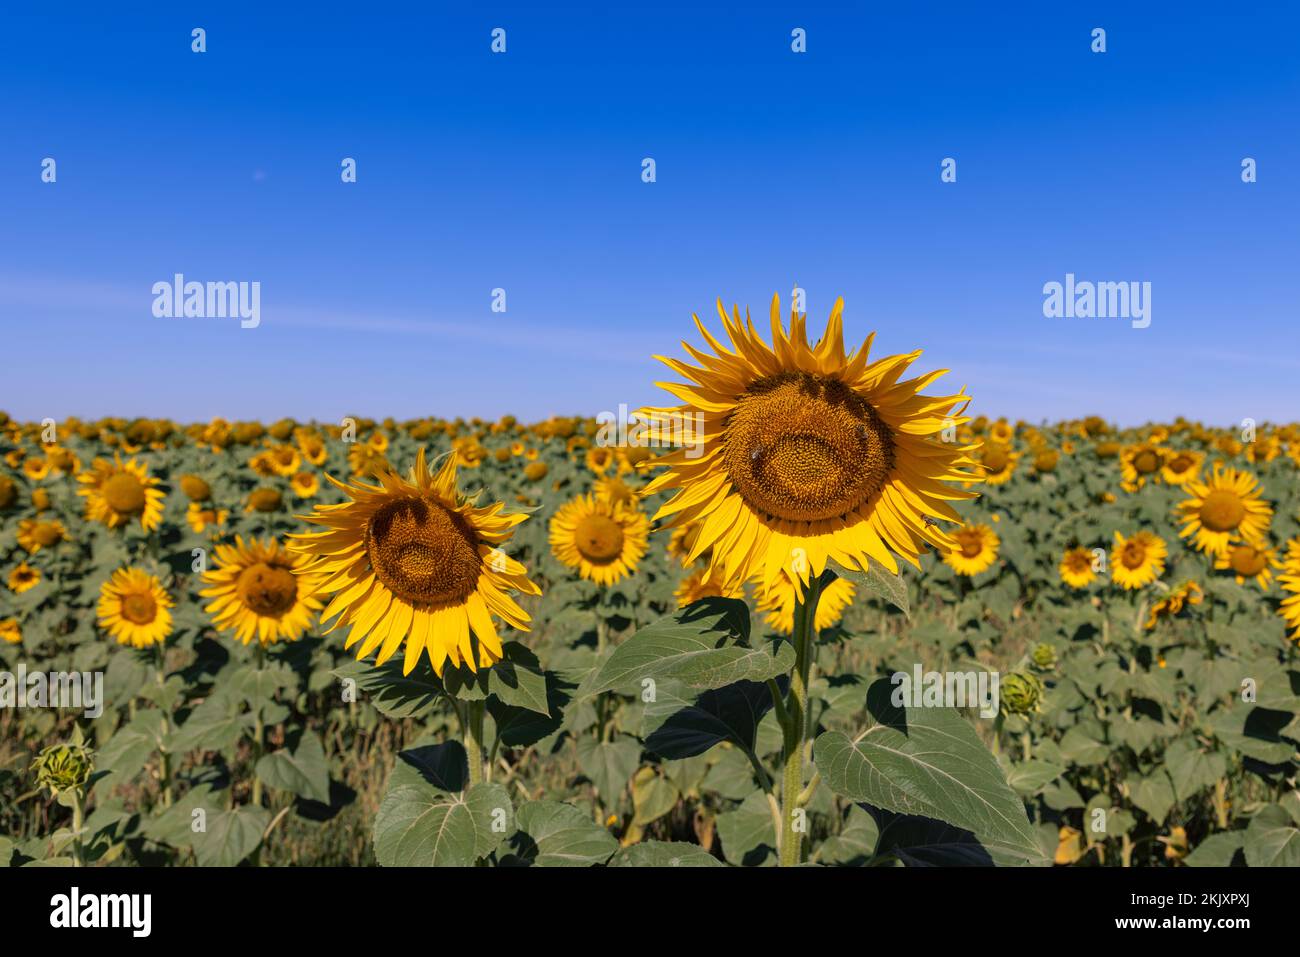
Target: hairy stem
<point>796,727</point>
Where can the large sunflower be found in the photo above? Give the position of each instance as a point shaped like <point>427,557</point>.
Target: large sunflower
<point>1137,561</point>
<point>260,590</point>
<point>1223,510</point>
<point>777,602</point>
<point>133,608</point>
<point>415,559</point>
<point>117,492</point>
<point>603,540</point>
<point>975,548</point>
<point>807,455</point>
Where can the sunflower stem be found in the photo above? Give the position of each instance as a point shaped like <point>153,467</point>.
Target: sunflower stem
<point>257,734</point>
<point>474,741</point>
<point>796,727</point>
<point>164,759</point>
<point>78,824</point>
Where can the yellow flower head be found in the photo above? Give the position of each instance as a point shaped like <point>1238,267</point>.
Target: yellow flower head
<point>975,549</point>
<point>1137,561</point>
<point>777,603</point>
<point>119,492</point>
<point>1226,509</point>
<point>802,454</point>
<point>133,608</point>
<point>413,559</point>
<point>33,535</point>
<point>1076,567</point>
<point>24,578</point>
<point>603,540</point>
<point>698,585</point>
<point>259,590</point>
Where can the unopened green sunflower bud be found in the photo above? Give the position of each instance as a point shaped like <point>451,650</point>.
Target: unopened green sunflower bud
<point>63,767</point>
<point>1044,656</point>
<point>1021,693</point>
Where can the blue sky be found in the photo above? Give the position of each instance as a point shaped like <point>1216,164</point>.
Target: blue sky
<point>522,171</point>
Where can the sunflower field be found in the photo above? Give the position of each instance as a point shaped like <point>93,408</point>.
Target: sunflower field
<point>467,643</point>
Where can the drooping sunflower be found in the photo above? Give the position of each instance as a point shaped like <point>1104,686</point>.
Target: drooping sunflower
<point>614,489</point>
<point>312,448</point>
<point>1171,605</point>
<point>24,578</point>
<point>682,540</point>
<point>1137,561</point>
<point>604,541</point>
<point>1224,510</point>
<point>117,492</point>
<point>1141,463</point>
<point>196,488</point>
<point>1077,567</point>
<point>34,535</point>
<point>11,633</point>
<point>261,590</point>
<point>799,454</point>
<point>1182,466</point>
<point>698,584</point>
<point>777,603</point>
<point>1045,459</point>
<point>264,500</point>
<point>975,548</point>
<point>133,608</point>
<point>997,463</point>
<point>1255,562</point>
<point>415,559</point>
<point>201,517</point>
